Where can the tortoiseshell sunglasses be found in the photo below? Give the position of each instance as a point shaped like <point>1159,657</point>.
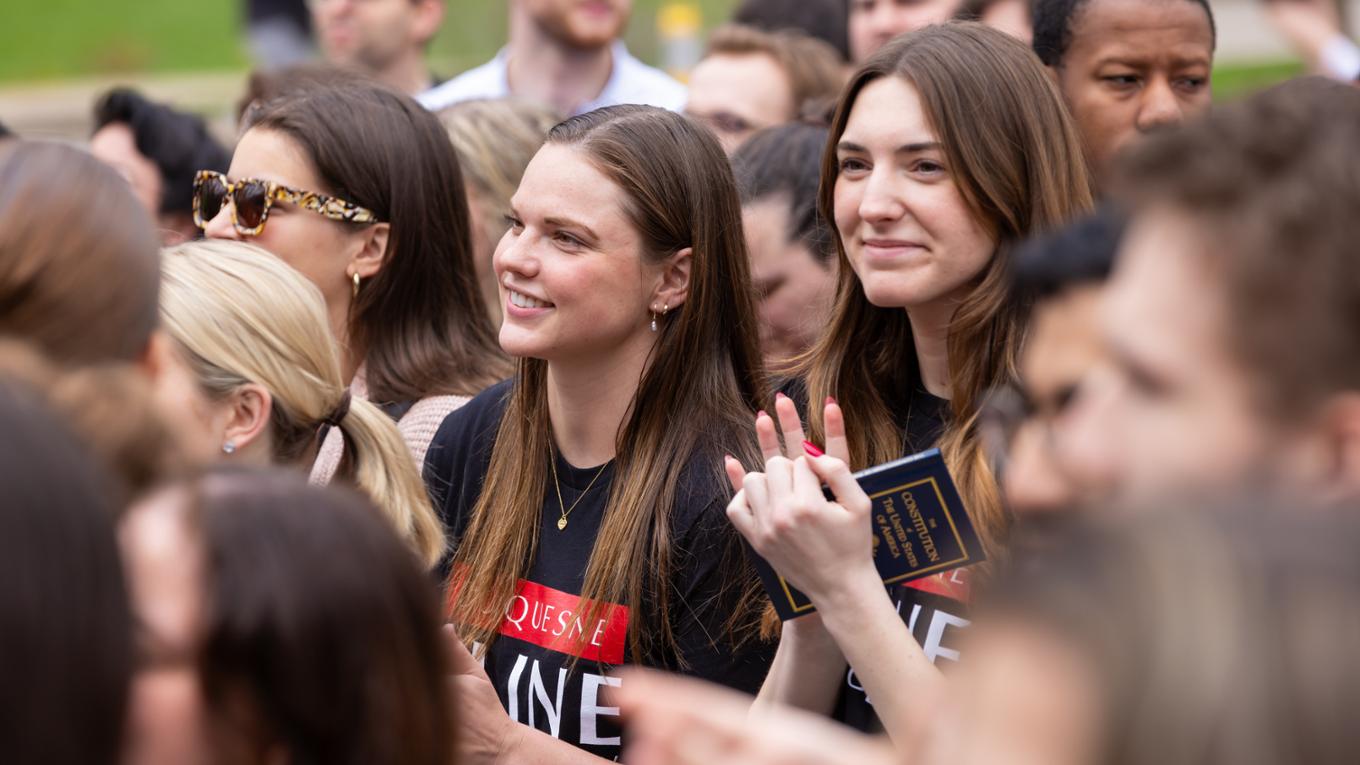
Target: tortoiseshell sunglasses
<point>251,199</point>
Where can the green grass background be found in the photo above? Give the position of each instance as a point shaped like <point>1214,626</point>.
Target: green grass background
<point>58,39</point>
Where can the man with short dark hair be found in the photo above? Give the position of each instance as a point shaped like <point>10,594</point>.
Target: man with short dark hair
<point>1063,274</point>
<point>383,39</point>
<point>1126,67</point>
<point>158,150</point>
<point>567,55</point>
<point>1232,320</point>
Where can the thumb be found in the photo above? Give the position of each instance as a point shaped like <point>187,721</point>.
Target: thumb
<point>836,475</point>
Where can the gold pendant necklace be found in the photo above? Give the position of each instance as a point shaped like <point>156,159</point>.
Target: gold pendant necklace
<point>557,484</point>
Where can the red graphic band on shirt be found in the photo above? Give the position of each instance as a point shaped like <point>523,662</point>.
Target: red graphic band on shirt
<point>951,584</point>
<point>551,619</point>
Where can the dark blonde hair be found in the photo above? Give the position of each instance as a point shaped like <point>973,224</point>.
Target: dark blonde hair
<point>1016,159</point>
<point>694,401</point>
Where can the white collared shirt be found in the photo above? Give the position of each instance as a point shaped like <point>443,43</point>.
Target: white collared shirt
<point>630,82</point>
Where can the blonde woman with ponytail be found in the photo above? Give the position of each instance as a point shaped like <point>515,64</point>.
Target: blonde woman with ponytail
<point>254,376</point>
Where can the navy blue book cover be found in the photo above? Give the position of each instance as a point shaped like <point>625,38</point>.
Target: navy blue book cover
<point>918,522</point>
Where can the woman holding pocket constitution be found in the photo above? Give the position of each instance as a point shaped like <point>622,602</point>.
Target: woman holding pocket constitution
<point>931,175</point>
<point>585,496</point>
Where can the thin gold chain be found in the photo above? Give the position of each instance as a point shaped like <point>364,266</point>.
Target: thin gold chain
<point>557,484</point>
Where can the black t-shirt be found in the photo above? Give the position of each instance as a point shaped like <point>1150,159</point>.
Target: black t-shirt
<point>530,662</point>
<point>933,609</point>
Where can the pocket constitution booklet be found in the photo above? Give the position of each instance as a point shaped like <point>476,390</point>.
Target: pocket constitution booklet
<point>919,525</point>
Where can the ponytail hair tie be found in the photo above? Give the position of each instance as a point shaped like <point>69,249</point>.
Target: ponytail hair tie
<point>341,409</point>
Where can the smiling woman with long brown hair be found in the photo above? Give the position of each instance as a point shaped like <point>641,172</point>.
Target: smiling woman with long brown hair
<point>586,495</point>
<point>948,147</point>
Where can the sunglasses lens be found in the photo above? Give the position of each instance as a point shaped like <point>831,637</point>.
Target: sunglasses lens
<point>250,202</point>
<point>210,195</point>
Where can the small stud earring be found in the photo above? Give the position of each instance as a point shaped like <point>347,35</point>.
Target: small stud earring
<point>229,448</point>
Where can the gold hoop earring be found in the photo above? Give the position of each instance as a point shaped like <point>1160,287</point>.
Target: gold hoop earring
<point>355,291</point>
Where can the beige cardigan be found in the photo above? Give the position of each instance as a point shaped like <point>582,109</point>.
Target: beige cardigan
<point>417,427</point>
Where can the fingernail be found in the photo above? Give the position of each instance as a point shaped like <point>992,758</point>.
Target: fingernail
<point>830,400</point>
<point>811,448</point>
<point>727,458</point>
<point>780,395</point>
<point>760,414</point>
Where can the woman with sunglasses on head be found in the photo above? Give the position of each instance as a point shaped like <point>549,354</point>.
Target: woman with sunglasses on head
<point>931,176</point>
<point>586,495</point>
<point>252,375</point>
<point>358,188</point>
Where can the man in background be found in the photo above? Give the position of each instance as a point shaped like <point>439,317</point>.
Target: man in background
<point>1126,67</point>
<point>872,23</point>
<point>566,55</point>
<point>749,80</point>
<point>382,39</point>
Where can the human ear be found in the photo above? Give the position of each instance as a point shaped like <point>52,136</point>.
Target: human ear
<point>429,17</point>
<point>673,282</point>
<point>372,253</point>
<point>248,420</point>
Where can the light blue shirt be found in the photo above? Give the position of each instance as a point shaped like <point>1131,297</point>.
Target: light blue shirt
<point>630,82</point>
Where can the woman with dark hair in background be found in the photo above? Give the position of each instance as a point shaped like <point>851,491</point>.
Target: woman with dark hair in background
<point>66,650</point>
<point>158,150</point>
<point>280,623</point>
<point>358,188</point>
<point>792,249</point>
<point>585,495</point>
<point>932,175</point>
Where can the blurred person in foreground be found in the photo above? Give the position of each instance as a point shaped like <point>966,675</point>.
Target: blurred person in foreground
<point>66,629</point>
<point>749,80</point>
<point>382,39</point>
<point>79,264</point>
<point>279,623</point>
<point>567,55</point>
<point>158,150</point>
<point>1208,639</point>
<point>1062,276</point>
<point>1232,318</point>
<point>495,138</point>
<point>1126,67</point>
